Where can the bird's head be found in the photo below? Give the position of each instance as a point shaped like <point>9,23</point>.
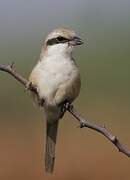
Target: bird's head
<point>61,40</point>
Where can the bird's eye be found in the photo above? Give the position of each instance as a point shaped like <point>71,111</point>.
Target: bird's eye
<point>61,39</point>
<point>57,40</point>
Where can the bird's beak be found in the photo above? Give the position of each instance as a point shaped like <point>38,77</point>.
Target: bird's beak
<point>75,41</point>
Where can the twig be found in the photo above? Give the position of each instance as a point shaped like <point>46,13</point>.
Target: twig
<point>83,122</point>
<point>11,70</point>
<point>101,129</point>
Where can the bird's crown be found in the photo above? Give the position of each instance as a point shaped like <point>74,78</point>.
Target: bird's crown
<point>61,32</point>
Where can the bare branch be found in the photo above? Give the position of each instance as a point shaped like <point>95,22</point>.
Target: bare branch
<point>101,129</point>
<point>83,122</point>
<point>11,70</point>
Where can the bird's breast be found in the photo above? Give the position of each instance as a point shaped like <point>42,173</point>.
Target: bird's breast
<point>52,73</point>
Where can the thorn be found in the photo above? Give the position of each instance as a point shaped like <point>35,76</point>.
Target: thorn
<point>113,139</point>
<point>12,66</point>
<point>82,124</point>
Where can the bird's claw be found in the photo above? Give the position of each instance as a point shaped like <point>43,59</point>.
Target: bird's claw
<point>64,106</point>
<point>41,102</point>
<point>68,105</point>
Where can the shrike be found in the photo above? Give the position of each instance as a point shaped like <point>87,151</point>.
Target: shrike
<point>57,79</point>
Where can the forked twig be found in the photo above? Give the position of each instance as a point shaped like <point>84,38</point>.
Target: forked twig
<point>83,122</point>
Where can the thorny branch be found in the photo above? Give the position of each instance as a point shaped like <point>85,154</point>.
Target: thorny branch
<point>83,122</point>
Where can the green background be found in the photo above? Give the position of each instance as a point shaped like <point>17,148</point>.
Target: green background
<point>105,94</point>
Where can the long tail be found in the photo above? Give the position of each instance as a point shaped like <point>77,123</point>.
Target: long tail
<point>51,135</point>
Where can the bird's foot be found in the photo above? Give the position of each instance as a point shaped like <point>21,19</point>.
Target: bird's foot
<point>64,107</point>
<point>68,105</point>
<point>41,102</point>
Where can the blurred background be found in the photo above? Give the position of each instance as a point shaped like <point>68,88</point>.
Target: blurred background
<point>104,98</point>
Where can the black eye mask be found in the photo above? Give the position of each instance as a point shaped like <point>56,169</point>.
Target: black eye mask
<point>57,40</point>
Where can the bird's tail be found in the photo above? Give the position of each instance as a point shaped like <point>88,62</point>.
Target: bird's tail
<point>51,135</point>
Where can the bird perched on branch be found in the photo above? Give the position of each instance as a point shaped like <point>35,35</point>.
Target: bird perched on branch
<point>57,79</point>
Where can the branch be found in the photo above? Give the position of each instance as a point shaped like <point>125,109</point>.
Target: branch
<point>83,123</point>
<point>11,70</point>
<point>101,129</point>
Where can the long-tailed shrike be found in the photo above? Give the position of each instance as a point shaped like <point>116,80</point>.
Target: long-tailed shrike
<point>57,79</point>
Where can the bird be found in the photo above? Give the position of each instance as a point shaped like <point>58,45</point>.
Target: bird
<point>56,77</point>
